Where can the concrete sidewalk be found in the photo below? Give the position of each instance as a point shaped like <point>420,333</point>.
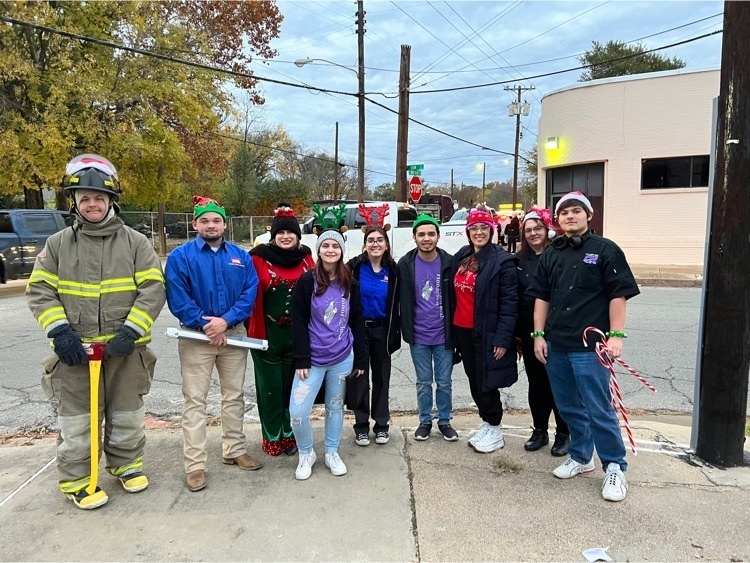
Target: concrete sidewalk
<point>405,501</point>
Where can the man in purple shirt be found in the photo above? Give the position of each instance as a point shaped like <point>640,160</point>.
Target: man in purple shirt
<point>426,326</point>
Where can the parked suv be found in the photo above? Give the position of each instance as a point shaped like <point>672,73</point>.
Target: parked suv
<point>23,234</point>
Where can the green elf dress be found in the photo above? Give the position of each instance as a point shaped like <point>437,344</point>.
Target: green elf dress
<point>278,271</point>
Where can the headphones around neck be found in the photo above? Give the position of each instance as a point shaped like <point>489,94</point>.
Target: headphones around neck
<point>575,242</point>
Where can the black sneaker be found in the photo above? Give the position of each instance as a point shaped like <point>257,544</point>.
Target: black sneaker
<point>423,432</point>
<point>538,439</point>
<point>382,437</point>
<point>560,447</point>
<point>362,438</point>
<point>448,433</point>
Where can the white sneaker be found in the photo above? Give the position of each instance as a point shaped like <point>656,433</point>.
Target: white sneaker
<point>304,467</point>
<point>479,434</point>
<point>491,440</point>
<point>337,467</point>
<point>615,485</point>
<point>571,468</point>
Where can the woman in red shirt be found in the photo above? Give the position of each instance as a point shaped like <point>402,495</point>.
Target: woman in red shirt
<point>484,281</point>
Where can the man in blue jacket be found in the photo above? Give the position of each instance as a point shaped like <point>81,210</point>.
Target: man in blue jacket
<point>211,287</point>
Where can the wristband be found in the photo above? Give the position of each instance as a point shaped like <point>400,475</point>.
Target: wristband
<point>537,333</point>
<point>617,333</point>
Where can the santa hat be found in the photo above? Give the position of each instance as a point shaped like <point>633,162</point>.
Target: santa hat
<point>578,196</point>
<point>542,215</point>
<point>284,220</point>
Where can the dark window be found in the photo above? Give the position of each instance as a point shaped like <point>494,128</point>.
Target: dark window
<point>40,223</point>
<point>406,216</point>
<point>678,172</point>
<point>6,226</point>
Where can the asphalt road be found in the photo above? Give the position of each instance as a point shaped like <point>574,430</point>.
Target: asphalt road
<point>662,327</point>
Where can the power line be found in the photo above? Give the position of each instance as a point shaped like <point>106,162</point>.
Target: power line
<point>528,78</point>
<point>445,133</point>
<point>152,54</point>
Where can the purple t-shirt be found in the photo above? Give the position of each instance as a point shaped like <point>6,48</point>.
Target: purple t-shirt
<point>331,339</point>
<point>429,317</point>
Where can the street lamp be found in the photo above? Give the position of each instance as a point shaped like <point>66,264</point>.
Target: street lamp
<point>361,107</point>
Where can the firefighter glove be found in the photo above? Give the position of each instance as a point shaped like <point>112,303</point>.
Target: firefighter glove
<point>122,345</point>
<point>68,346</point>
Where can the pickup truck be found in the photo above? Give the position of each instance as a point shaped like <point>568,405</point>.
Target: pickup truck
<point>400,217</point>
<point>23,234</point>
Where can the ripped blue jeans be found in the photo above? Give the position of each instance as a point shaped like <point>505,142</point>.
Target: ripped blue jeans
<point>303,396</point>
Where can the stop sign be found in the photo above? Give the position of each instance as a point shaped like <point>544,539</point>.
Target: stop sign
<point>415,189</point>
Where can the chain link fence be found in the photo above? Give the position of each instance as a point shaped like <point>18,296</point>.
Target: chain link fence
<point>241,230</point>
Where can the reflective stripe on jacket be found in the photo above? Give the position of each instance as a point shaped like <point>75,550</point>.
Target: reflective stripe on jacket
<point>97,278</point>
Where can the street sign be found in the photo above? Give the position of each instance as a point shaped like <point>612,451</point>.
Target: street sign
<point>414,169</point>
<point>415,189</point>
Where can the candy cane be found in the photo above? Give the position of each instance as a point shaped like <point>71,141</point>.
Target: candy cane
<point>614,386</point>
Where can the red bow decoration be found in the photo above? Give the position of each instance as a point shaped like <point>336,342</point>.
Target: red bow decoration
<point>202,200</point>
<point>381,212</point>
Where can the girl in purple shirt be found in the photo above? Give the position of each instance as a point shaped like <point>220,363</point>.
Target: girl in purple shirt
<point>328,346</point>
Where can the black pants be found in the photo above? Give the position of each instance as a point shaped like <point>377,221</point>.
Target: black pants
<point>541,400</point>
<point>358,388</point>
<point>472,355</point>
<point>512,244</point>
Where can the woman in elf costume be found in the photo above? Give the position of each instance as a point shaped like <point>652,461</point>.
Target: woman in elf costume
<point>279,264</point>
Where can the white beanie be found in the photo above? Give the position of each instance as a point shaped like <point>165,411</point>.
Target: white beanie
<point>578,196</point>
<point>330,235</point>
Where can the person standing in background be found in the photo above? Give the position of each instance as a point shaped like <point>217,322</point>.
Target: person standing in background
<point>513,232</point>
<point>211,287</point>
<point>279,265</point>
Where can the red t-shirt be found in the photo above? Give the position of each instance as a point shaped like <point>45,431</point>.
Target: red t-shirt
<point>465,284</point>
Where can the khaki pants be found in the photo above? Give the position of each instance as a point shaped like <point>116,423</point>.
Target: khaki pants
<point>197,361</point>
<point>122,384</point>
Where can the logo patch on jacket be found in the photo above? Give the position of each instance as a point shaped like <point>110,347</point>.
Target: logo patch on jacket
<point>236,262</point>
<point>590,258</point>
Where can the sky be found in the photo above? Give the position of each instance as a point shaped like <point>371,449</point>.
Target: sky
<point>454,44</point>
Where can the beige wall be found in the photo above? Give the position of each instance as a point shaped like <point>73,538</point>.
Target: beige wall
<point>619,123</point>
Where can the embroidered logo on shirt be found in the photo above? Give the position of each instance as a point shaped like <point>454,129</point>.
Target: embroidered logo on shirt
<point>330,313</point>
<point>385,278</point>
<point>427,290</point>
<point>590,258</point>
<point>236,262</point>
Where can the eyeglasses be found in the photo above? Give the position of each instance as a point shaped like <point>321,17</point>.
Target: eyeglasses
<point>380,240</point>
<point>482,228</point>
<point>537,229</point>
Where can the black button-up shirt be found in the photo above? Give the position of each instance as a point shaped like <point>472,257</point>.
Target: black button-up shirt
<point>578,284</point>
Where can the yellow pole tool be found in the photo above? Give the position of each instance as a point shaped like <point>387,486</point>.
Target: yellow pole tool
<point>95,351</point>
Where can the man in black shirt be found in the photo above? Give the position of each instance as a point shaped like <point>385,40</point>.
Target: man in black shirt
<point>583,280</point>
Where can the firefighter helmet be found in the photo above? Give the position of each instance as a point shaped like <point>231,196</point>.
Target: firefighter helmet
<point>91,172</point>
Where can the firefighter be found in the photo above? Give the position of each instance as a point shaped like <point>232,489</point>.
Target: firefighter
<point>97,281</point>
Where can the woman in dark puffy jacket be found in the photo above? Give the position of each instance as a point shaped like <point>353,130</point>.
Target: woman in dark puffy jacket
<point>376,272</point>
<point>513,232</point>
<point>486,309</point>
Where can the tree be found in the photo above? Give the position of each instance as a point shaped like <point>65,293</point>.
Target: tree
<point>157,121</point>
<point>385,192</point>
<point>599,55</point>
<point>528,185</point>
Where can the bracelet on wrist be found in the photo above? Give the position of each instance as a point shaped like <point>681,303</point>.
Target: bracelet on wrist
<point>617,333</point>
<point>537,333</point>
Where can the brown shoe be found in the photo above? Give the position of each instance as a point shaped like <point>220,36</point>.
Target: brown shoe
<point>244,461</point>
<point>196,480</point>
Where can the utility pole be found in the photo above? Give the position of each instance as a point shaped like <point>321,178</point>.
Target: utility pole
<point>484,178</point>
<point>402,137</point>
<point>361,99</point>
<point>451,186</point>
<point>517,109</point>
<point>726,355</point>
<point>336,167</point>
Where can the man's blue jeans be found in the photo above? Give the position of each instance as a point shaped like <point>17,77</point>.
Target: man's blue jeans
<point>303,396</point>
<point>424,357</point>
<point>580,385</point>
